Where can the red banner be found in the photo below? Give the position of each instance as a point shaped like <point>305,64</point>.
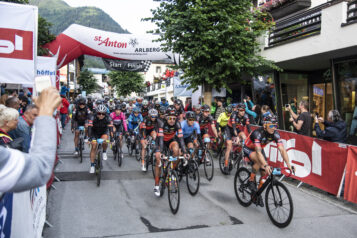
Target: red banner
<point>318,163</point>
<point>351,175</point>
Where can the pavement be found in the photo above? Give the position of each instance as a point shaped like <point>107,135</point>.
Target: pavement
<point>125,206</point>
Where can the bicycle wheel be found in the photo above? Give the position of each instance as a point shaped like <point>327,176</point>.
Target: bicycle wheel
<point>80,150</point>
<point>99,167</point>
<point>222,162</point>
<point>192,177</point>
<point>137,151</point>
<point>173,192</point>
<point>162,182</point>
<point>241,189</point>
<point>119,155</point>
<point>279,204</point>
<point>208,165</point>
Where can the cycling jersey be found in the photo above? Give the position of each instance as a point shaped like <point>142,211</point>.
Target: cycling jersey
<point>223,119</point>
<point>167,134</point>
<point>144,111</point>
<point>237,122</point>
<point>80,115</point>
<point>260,138</point>
<point>134,121</point>
<point>189,130</point>
<point>205,122</point>
<point>119,120</point>
<point>147,126</point>
<point>97,127</point>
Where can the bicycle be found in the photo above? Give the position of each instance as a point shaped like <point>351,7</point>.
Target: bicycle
<point>132,140</point>
<point>205,157</point>
<point>170,179</point>
<point>274,198</point>
<point>81,143</point>
<point>149,155</point>
<point>190,170</point>
<point>99,160</point>
<point>234,160</point>
<point>117,150</point>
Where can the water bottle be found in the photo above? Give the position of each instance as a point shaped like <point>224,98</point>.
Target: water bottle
<point>200,154</point>
<point>190,151</point>
<point>276,171</point>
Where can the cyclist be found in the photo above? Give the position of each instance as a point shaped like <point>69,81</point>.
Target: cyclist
<point>147,127</point>
<point>111,105</point>
<point>253,149</point>
<point>197,111</point>
<point>80,116</point>
<point>119,122</point>
<point>206,120</point>
<point>179,109</point>
<point>157,105</point>
<point>139,101</point>
<point>164,102</point>
<point>223,118</point>
<point>145,108</point>
<point>169,136</point>
<point>162,112</point>
<point>191,131</point>
<point>235,128</point>
<point>100,125</point>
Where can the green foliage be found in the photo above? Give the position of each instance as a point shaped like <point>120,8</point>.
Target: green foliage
<point>62,16</point>
<point>127,82</point>
<point>44,35</point>
<point>87,81</point>
<point>216,38</point>
<point>16,1</point>
<point>93,62</point>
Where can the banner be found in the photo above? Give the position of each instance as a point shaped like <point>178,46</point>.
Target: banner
<point>18,43</point>
<point>127,65</point>
<point>6,215</point>
<point>77,40</point>
<point>47,66</point>
<point>29,213</point>
<point>350,192</point>
<point>180,89</point>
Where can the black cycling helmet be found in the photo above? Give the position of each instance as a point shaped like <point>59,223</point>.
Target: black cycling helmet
<point>163,99</point>
<point>123,106</point>
<point>99,101</point>
<point>136,110</point>
<point>271,118</point>
<point>178,102</point>
<point>171,112</point>
<point>117,107</point>
<point>171,107</point>
<point>241,105</point>
<point>82,101</point>
<point>229,109</point>
<point>162,110</point>
<point>190,115</point>
<point>205,108</point>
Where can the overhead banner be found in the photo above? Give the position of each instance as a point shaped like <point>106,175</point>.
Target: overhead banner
<point>77,40</point>
<point>18,43</point>
<point>127,65</point>
<point>180,89</point>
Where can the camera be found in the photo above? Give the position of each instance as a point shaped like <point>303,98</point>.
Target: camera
<point>287,105</point>
<point>316,114</point>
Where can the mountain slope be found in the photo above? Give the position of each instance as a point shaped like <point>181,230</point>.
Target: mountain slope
<point>61,15</point>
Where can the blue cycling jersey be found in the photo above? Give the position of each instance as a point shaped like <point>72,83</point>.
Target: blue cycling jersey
<point>134,121</point>
<point>188,130</point>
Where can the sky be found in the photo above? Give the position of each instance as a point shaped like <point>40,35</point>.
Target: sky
<point>127,13</point>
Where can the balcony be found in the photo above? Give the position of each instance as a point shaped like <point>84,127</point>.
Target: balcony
<point>352,12</point>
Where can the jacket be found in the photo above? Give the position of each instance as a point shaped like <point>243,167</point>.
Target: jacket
<point>65,105</point>
<point>334,131</point>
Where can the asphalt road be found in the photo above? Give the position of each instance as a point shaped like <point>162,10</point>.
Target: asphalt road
<point>125,206</point>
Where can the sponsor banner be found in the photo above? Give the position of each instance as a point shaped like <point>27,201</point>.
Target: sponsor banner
<point>18,43</point>
<point>29,213</point>
<point>350,192</point>
<point>127,65</point>
<point>47,66</point>
<point>77,40</point>
<point>180,89</point>
<point>318,163</point>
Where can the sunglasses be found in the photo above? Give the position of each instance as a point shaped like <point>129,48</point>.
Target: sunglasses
<point>171,118</point>
<point>82,104</point>
<point>153,117</point>
<point>191,119</point>
<point>241,110</point>
<point>100,114</point>
<point>272,126</point>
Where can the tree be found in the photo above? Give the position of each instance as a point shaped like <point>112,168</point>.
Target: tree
<point>217,39</point>
<point>127,82</point>
<point>44,35</point>
<point>88,82</point>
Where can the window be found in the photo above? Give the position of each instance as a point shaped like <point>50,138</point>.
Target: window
<point>264,90</point>
<point>158,69</point>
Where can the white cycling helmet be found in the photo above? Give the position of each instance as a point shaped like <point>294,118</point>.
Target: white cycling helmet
<point>145,102</point>
<point>101,108</point>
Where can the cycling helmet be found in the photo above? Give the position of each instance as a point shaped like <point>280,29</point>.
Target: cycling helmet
<point>136,109</point>
<point>139,99</point>
<point>197,107</point>
<point>99,101</point>
<point>101,108</point>
<point>153,113</point>
<point>206,108</point>
<point>117,107</point>
<point>157,102</point>
<point>123,106</point>
<point>163,99</point>
<point>145,102</point>
<point>190,115</point>
<point>162,110</point>
<point>121,98</point>
<point>126,100</point>
<point>178,102</point>
<point>81,101</point>
<point>171,112</point>
<point>170,108</point>
<point>229,109</point>
<point>270,119</point>
<point>241,105</point>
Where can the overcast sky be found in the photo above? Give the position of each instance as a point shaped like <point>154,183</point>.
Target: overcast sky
<point>127,13</point>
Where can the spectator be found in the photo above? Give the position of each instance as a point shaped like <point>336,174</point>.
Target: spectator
<point>164,102</point>
<point>24,127</point>
<point>3,99</point>
<point>302,123</point>
<point>8,122</point>
<point>27,171</point>
<point>13,93</point>
<point>64,110</point>
<point>13,102</point>
<point>188,105</point>
<point>335,127</point>
<point>250,110</point>
<point>23,104</point>
<point>219,108</point>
